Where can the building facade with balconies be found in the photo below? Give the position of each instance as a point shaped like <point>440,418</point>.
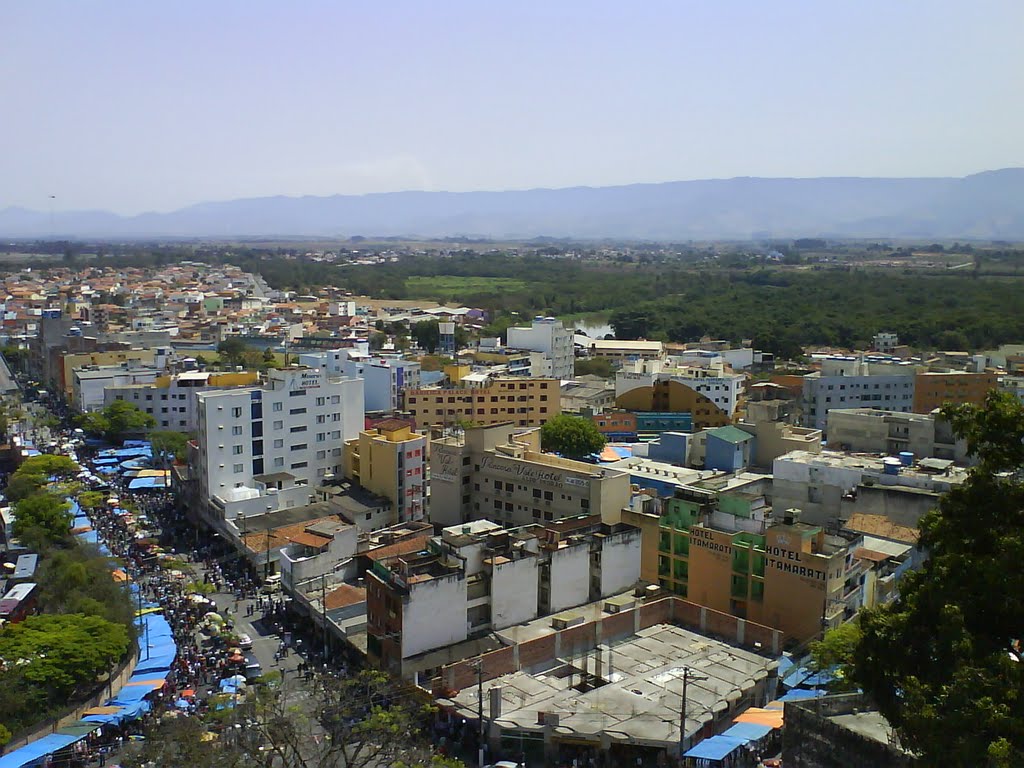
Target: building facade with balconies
<point>480,577</point>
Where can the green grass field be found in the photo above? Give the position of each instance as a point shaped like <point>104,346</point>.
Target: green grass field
<point>444,287</point>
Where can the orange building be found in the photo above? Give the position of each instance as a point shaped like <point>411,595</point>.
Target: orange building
<point>934,390</point>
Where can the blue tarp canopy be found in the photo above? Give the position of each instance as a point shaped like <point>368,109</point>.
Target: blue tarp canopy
<point>797,694</point>
<point>103,462</point>
<point>136,444</point>
<point>147,482</point>
<point>715,748</point>
<point>33,754</point>
<point>747,732</point>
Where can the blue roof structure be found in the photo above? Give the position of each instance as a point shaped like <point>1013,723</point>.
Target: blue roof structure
<point>748,732</point>
<point>715,748</point>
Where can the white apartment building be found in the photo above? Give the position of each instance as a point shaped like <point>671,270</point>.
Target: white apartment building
<point>254,442</point>
<point>713,382</point>
<point>549,337</point>
<point>88,383</point>
<point>857,382</point>
<point>385,379</point>
<point>480,577</point>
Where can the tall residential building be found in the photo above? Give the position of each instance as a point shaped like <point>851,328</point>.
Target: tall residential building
<point>486,400</point>
<point>854,382</point>
<point>288,432</point>
<point>480,577</point>
<point>548,336</point>
<point>171,400</point>
<point>390,460</point>
<point>934,390</point>
<point>499,473</point>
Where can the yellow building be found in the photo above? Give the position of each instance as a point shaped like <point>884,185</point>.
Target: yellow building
<point>790,576</point>
<point>390,460</point>
<point>523,402</point>
<point>69,362</point>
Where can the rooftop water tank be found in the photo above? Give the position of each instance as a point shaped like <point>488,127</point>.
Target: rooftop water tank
<point>892,465</point>
<point>907,458</point>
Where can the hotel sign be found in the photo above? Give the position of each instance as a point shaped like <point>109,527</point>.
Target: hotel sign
<point>309,380</point>
<point>790,561</point>
<point>530,474</point>
<point>444,466</point>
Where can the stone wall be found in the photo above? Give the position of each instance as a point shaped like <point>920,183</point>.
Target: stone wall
<point>811,740</point>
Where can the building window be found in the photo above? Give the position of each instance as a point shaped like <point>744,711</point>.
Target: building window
<point>278,407</point>
<point>299,447</point>
<point>278,425</point>
<point>279,443</point>
<point>236,450</point>
<point>235,412</point>
<point>238,468</point>
<point>300,465</point>
<point>236,430</point>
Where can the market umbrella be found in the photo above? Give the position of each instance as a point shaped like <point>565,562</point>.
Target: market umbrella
<point>182,704</point>
<point>216,618</point>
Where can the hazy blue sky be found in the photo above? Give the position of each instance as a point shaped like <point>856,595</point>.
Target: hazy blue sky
<point>156,104</point>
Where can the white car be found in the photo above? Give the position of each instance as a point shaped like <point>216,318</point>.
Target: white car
<point>244,642</point>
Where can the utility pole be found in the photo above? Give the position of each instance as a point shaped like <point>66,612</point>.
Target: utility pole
<point>480,708</point>
<point>266,560</point>
<point>682,711</point>
<point>323,608</point>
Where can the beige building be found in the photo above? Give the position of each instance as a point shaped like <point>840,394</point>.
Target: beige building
<point>68,363</point>
<point>499,473</point>
<point>523,402</point>
<point>871,431</point>
<point>390,460</point>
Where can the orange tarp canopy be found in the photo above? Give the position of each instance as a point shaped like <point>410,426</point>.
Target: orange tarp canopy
<point>120,575</point>
<point>770,717</point>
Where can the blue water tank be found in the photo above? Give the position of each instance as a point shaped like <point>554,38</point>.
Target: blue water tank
<point>891,465</point>
<point>907,458</point>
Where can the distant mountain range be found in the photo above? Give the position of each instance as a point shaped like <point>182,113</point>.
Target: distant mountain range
<point>985,206</point>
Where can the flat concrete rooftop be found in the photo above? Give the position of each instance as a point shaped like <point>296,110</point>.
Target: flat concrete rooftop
<point>638,688</point>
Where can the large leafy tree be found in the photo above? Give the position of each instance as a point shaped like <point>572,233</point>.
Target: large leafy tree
<point>943,661</point>
<point>117,420</point>
<point>41,520</point>
<point>571,436</point>
<point>363,721</point>
<point>170,444</point>
<point>61,654</point>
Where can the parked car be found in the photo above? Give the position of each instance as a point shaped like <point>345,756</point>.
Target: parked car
<point>245,642</point>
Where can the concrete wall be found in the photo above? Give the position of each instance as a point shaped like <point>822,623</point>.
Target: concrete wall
<point>811,740</point>
<point>434,615</point>
<point>620,562</point>
<point>514,592</point>
<point>570,577</point>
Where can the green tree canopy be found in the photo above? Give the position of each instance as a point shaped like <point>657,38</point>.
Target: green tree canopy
<point>594,366</point>
<point>174,444</point>
<point>41,520</point>
<point>23,485</point>
<point>117,420</point>
<point>63,653</point>
<point>50,465</point>
<point>943,661</point>
<point>572,436</point>
<point>232,350</point>
<point>427,334</point>
<point>835,653</point>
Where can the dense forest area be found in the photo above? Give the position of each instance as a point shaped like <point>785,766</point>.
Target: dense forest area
<point>780,307</point>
